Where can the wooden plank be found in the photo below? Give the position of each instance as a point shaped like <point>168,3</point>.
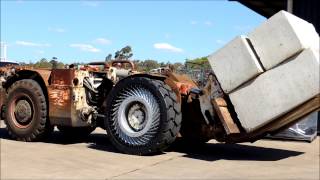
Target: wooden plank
<point>219,101</point>
<point>222,111</point>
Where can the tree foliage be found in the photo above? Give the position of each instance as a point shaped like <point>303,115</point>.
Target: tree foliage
<point>198,63</point>
<point>108,58</point>
<point>44,63</point>
<point>141,65</point>
<point>124,53</point>
<point>149,64</point>
<point>54,62</point>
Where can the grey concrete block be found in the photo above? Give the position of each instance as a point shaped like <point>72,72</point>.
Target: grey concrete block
<point>282,36</point>
<point>277,91</point>
<point>234,64</point>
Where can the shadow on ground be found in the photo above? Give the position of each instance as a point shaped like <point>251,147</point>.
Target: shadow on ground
<point>218,151</point>
<point>97,141</point>
<point>207,152</point>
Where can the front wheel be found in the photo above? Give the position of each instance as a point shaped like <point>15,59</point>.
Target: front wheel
<point>143,116</point>
<point>26,111</point>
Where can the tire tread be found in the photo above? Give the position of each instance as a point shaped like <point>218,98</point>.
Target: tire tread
<point>171,123</point>
<point>41,129</point>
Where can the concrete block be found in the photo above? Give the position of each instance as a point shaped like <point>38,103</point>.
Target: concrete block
<point>282,36</point>
<point>277,91</point>
<point>234,64</point>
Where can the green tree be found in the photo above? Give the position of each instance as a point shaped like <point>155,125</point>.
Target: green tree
<point>198,63</point>
<point>178,65</point>
<point>60,65</point>
<point>124,53</point>
<point>54,62</point>
<point>108,58</point>
<point>162,64</point>
<point>150,64</point>
<point>43,63</point>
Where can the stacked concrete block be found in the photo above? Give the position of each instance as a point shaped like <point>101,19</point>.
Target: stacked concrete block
<point>235,64</point>
<point>282,36</point>
<point>270,72</point>
<point>277,91</point>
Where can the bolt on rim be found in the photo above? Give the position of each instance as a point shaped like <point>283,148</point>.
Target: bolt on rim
<point>22,111</point>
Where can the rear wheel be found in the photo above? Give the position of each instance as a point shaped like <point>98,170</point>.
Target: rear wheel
<point>26,111</point>
<point>142,116</point>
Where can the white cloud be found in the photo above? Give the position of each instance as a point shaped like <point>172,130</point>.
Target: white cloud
<point>57,29</point>
<point>102,41</point>
<point>85,47</point>
<point>32,44</point>
<point>193,22</point>
<point>208,23</point>
<point>168,47</point>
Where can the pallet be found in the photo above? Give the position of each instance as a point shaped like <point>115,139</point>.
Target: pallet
<point>220,107</point>
<point>281,123</point>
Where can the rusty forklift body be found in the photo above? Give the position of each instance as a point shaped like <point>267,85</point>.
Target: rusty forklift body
<point>77,98</point>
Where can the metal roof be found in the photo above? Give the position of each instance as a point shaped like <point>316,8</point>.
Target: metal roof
<point>305,9</point>
<point>265,7</point>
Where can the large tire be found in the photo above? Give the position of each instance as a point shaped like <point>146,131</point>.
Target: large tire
<point>142,116</point>
<point>26,111</point>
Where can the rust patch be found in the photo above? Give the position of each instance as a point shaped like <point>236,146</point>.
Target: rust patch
<point>59,103</point>
<point>180,84</point>
<point>2,97</point>
<point>60,96</point>
<point>62,76</point>
<point>67,99</point>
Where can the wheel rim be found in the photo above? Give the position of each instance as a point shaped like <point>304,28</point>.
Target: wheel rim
<point>22,111</point>
<point>135,115</point>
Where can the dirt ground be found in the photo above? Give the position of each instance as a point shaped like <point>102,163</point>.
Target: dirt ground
<point>96,158</point>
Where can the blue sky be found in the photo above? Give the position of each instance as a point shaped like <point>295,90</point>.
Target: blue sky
<point>81,31</point>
